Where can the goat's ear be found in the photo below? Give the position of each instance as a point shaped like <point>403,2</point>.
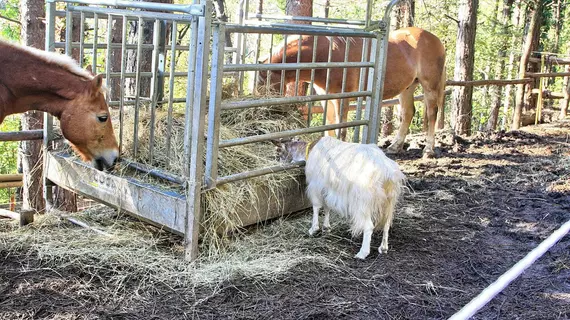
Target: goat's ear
<point>89,69</point>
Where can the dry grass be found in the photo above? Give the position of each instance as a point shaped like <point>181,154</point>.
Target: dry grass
<point>223,205</point>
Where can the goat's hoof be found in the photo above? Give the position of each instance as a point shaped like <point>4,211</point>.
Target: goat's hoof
<point>382,250</point>
<point>361,255</point>
<point>312,231</point>
<point>327,229</point>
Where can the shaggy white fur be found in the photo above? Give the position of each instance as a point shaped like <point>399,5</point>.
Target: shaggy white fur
<point>356,180</point>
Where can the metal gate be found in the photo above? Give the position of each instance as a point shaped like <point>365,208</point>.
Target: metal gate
<point>199,41</point>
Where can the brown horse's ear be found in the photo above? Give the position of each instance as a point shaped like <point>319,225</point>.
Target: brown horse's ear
<point>276,143</point>
<point>96,84</point>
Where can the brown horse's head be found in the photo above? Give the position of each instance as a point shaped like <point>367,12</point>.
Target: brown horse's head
<point>86,124</point>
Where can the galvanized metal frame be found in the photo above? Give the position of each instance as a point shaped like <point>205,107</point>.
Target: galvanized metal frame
<point>183,213</point>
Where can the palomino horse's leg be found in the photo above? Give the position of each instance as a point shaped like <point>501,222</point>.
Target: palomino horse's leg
<point>407,110</point>
<point>333,116</point>
<point>431,105</point>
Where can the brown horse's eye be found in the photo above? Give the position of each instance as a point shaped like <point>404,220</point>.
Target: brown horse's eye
<point>103,118</point>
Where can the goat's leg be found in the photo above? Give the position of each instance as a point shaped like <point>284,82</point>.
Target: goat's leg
<point>389,216</point>
<point>407,110</point>
<point>315,224</point>
<point>326,220</point>
<point>366,238</point>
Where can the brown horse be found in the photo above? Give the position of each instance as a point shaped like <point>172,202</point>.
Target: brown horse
<point>32,79</point>
<point>415,56</point>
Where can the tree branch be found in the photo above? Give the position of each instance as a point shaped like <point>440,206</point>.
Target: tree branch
<point>11,20</point>
<point>452,18</point>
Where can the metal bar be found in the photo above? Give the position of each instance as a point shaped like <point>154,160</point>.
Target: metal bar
<point>283,64</point>
<point>95,40</point>
<point>137,88</point>
<point>343,86</point>
<point>327,84</point>
<point>305,30</point>
<point>122,84</point>
<point>22,135</point>
<point>375,112</point>
<point>155,172</point>
<point>148,15</point>
<point>153,88</point>
<point>196,165</point>
<point>267,82</point>
<point>174,32</point>
<point>506,278</point>
<point>190,92</point>
<point>370,86</point>
<point>295,66</point>
<point>193,9</point>
<point>289,133</point>
<point>108,56</point>
<point>258,172</point>
<point>81,38</point>
<point>68,31</point>
<point>231,105</point>
<point>361,83</point>
<point>101,45</point>
<point>48,119</point>
<point>310,19</point>
<point>312,81</point>
<point>218,41</point>
<point>297,71</point>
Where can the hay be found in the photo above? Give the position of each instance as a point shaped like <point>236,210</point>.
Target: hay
<point>223,204</point>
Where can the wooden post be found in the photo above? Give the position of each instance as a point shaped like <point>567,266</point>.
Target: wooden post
<point>566,91</point>
<point>25,217</point>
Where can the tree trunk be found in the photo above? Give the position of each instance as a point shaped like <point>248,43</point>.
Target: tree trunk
<point>464,60</point>
<point>500,67</point>
<point>511,68</point>
<point>402,16</point>
<point>32,34</point>
<point>220,6</point>
<point>535,9</point>
<point>302,8</point>
<point>63,199</point>
<point>146,56</point>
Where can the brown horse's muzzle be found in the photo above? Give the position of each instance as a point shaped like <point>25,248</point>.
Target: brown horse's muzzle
<point>106,161</point>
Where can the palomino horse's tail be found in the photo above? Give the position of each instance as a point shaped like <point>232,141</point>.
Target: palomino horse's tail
<point>441,98</point>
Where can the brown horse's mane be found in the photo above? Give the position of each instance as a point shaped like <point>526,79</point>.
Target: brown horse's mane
<point>57,59</point>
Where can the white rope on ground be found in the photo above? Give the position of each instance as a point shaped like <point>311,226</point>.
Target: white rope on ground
<point>504,280</point>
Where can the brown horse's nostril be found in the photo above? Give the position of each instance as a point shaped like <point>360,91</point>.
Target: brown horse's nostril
<point>102,165</point>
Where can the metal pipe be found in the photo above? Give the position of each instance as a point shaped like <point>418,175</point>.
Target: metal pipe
<point>305,30</point>
<point>155,172</point>
<point>289,133</point>
<point>283,63</point>
<point>295,66</point>
<point>133,15</point>
<point>231,105</point>
<point>174,32</point>
<point>122,84</point>
<point>298,71</point>
<point>194,9</point>
<point>216,78</point>
<point>327,84</point>
<point>258,172</point>
<point>310,19</point>
<point>137,88</point>
<point>312,81</point>
<point>514,272</point>
<point>153,87</point>
<point>95,38</point>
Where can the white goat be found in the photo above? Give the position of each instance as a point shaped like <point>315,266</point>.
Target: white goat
<point>356,180</point>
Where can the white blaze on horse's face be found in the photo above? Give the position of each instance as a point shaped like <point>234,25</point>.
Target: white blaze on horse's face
<point>86,124</point>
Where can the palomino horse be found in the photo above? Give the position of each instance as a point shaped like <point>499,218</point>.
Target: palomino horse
<point>32,79</point>
<point>415,56</point>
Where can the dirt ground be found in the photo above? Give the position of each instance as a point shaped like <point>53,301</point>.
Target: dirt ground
<point>467,217</point>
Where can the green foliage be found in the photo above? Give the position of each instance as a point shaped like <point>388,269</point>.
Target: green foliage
<point>8,154</point>
<point>8,29</point>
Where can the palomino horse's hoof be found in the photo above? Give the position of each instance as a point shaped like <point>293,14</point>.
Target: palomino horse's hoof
<point>429,155</point>
<point>393,150</point>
